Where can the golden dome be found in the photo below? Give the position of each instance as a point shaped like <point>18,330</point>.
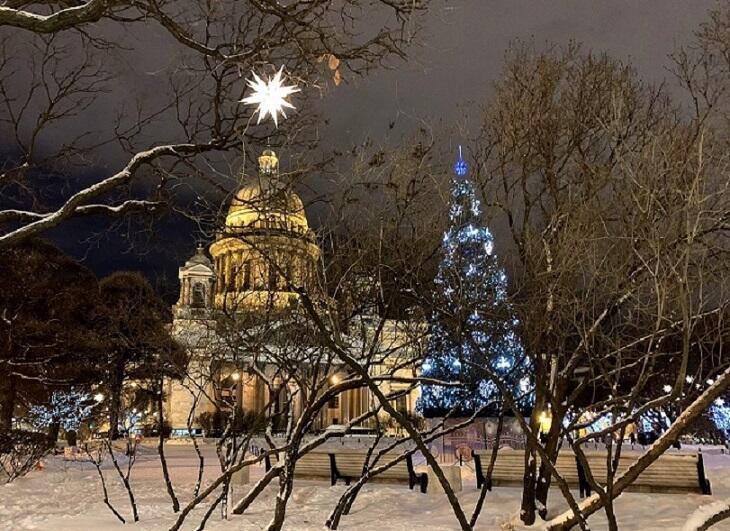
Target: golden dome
<point>267,246</point>
<point>265,203</point>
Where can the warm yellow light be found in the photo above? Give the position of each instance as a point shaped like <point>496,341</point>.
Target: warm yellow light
<point>545,420</point>
<point>235,376</point>
<point>334,379</point>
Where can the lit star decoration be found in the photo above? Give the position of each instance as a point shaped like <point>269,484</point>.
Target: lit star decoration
<point>270,96</point>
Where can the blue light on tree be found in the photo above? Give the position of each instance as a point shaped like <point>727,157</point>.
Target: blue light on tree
<point>720,415</point>
<point>66,409</point>
<point>460,168</point>
<point>471,327</point>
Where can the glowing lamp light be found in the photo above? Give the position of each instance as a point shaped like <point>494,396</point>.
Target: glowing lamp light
<point>99,397</point>
<point>235,376</point>
<point>545,421</point>
<point>667,388</point>
<point>334,379</point>
<point>269,96</point>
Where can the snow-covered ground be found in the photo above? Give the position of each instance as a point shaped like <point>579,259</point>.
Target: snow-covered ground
<point>67,496</point>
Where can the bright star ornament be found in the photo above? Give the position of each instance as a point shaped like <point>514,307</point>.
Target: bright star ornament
<point>270,96</point>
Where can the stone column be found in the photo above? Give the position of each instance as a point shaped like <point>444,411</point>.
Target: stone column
<point>186,296</point>
<point>240,271</point>
<point>229,270</point>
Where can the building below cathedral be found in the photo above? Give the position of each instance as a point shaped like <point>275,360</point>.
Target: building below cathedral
<point>239,309</point>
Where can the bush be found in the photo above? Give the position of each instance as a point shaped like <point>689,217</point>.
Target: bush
<point>20,452</point>
<point>213,423</point>
<point>153,430</point>
<point>207,422</point>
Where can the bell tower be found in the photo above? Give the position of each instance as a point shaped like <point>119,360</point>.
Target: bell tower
<point>197,282</point>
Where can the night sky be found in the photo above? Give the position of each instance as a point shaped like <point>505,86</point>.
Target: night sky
<point>459,56</point>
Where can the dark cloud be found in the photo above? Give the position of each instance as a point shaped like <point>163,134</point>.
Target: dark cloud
<point>463,45</point>
<point>458,57</point>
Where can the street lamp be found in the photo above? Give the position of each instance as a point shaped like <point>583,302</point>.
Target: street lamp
<point>545,421</point>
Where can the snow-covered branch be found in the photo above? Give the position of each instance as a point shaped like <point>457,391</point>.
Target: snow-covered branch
<point>77,202</point>
<point>63,19</point>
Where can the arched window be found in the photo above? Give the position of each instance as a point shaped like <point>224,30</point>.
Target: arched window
<point>273,280</point>
<point>198,296</point>
<point>247,275</point>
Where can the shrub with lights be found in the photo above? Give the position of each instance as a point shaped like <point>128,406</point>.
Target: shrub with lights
<point>66,409</point>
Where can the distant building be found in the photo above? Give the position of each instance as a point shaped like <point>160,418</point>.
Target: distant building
<point>265,249</point>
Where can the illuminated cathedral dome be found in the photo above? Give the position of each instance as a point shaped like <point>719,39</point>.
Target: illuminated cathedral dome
<point>264,202</point>
<point>267,247</point>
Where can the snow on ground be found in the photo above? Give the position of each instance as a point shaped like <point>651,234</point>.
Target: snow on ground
<point>67,496</point>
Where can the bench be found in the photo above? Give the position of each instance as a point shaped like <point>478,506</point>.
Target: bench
<point>669,473</point>
<point>314,464</point>
<point>509,468</point>
<point>347,464</point>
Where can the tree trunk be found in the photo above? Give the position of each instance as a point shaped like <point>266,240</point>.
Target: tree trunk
<point>286,481</point>
<point>7,402</point>
<point>260,485</point>
<point>527,509</point>
<point>490,471</point>
<point>529,483</point>
<point>544,477</point>
<point>116,382</point>
<point>529,480</point>
<point>53,430</point>
<point>161,450</point>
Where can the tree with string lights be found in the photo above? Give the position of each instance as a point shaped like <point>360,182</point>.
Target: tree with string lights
<point>472,328</point>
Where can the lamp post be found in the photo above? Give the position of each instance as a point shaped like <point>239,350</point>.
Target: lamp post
<point>237,404</point>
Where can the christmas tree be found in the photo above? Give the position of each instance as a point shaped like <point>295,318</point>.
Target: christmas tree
<point>720,415</point>
<point>471,328</point>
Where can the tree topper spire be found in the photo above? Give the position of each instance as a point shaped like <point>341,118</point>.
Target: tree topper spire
<point>460,168</point>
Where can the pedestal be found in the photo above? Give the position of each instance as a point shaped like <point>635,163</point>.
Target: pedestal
<point>241,477</point>
<point>453,476</point>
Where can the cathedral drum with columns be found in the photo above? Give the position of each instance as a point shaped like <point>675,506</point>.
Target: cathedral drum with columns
<point>263,256</point>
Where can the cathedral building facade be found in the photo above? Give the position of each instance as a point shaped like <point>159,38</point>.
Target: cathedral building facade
<point>239,296</point>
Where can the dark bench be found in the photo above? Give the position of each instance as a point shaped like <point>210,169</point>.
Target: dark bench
<point>669,473</point>
<point>509,468</point>
<point>347,464</point>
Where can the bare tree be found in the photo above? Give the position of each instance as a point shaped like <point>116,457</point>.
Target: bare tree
<point>64,79</point>
<point>617,208</point>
